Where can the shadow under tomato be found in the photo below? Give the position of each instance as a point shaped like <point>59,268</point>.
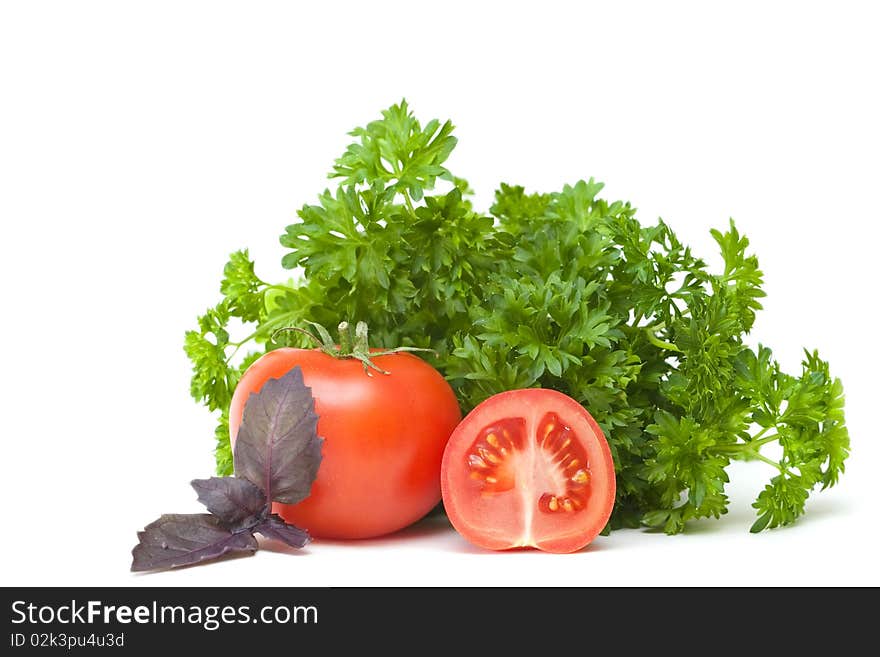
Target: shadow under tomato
<point>460,545</point>
<point>274,545</point>
<point>429,527</point>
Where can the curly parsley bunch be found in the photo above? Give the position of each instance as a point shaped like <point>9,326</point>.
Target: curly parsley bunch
<point>563,290</point>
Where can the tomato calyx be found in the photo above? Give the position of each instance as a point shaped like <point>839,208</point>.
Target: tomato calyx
<point>352,343</point>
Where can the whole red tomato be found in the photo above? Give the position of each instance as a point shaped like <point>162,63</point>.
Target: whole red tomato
<point>384,436</point>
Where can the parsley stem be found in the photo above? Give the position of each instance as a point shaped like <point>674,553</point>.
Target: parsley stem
<point>245,340</point>
<point>657,342</point>
<point>764,441</point>
<point>408,200</point>
<point>238,346</point>
<point>776,465</point>
<point>750,447</point>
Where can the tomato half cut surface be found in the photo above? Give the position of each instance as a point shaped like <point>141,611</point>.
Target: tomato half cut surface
<point>528,468</point>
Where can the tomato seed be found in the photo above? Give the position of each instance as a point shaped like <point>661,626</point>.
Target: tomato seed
<point>580,477</point>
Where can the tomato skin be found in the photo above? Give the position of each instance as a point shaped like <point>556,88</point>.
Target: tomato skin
<point>384,436</point>
<point>512,511</point>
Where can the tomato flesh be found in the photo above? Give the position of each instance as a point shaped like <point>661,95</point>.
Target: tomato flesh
<point>528,468</point>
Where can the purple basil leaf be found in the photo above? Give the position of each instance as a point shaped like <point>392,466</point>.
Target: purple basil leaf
<point>275,527</point>
<point>236,502</point>
<point>277,446</point>
<point>183,539</point>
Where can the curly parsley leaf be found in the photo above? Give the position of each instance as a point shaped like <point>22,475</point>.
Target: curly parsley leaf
<point>805,416</point>
<point>222,446</point>
<point>398,152</point>
<point>242,288</point>
<point>213,381</point>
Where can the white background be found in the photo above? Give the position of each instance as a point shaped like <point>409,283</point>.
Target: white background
<point>142,142</point>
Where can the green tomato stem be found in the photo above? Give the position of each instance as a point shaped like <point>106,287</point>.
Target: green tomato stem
<point>352,344</point>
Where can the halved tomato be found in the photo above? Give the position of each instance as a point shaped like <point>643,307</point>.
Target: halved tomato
<point>528,468</point>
